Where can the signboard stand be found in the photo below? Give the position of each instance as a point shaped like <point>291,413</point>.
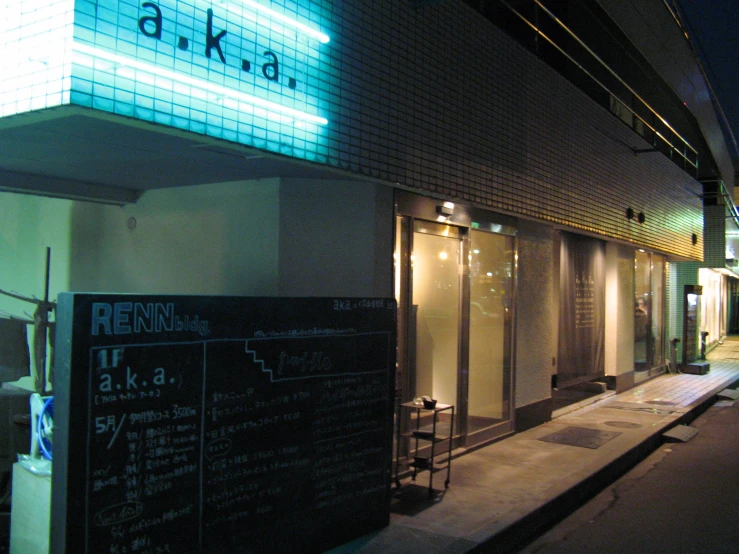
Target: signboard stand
<point>211,424</point>
<point>691,327</point>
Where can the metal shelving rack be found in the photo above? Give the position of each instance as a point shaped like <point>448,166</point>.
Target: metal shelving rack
<point>421,463</point>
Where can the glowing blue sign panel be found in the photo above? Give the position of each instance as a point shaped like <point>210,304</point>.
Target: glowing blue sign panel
<point>33,37</point>
<point>241,70</point>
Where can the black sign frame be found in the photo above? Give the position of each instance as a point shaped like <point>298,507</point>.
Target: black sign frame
<point>221,424</point>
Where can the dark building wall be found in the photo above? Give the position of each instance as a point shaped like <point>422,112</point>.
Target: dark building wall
<point>654,31</point>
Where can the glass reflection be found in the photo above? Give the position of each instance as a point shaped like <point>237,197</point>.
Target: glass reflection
<point>491,280</point>
<point>641,310</point>
<point>436,289</point>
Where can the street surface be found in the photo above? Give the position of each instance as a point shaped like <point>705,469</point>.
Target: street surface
<point>683,498</point>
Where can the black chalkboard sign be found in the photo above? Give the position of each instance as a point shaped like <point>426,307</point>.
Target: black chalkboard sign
<point>220,424</point>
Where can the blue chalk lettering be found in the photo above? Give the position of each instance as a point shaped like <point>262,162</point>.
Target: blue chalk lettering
<point>121,322</point>
<point>142,317</point>
<point>164,318</point>
<point>101,313</point>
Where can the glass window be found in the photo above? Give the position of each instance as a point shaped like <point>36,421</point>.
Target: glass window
<point>436,290</point>
<point>649,312</point>
<point>657,315</point>
<point>641,310</point>
<point>491,283</point>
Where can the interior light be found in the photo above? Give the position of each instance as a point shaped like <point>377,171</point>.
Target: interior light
<point>443,255</point>
<point>489,274</point>
<point>475,251</point>
<point>192,81</point>
<point>277,16</point>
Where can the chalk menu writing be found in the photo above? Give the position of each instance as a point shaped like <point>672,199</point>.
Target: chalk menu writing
<point>205,424</point>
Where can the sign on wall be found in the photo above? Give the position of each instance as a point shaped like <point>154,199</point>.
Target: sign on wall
<point>221,424</point>
<point>244,71</point>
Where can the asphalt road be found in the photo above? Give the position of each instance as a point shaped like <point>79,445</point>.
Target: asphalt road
<point>683,498</point>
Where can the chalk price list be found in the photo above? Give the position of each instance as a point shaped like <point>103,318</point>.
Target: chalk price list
<point>210,441</point>
<point>146,443</point>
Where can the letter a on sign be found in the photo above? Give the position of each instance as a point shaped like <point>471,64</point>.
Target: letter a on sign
<point>271,70</point>
<point>155,19</point>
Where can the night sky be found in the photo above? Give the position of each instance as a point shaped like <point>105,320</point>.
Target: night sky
<point>713,26</point>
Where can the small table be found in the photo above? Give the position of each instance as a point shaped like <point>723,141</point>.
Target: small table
<point>421,463</point>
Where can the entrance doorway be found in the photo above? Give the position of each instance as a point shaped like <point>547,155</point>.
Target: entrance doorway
<point>436,288</point>
<point>581,322</point>
<point>454,285</point>
<point>649,333</point>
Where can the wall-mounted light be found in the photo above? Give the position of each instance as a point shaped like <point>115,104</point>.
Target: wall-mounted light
<point>630,214</point>
<point>446,209</point>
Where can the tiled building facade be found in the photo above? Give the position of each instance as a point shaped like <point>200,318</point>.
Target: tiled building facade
<point>289,148</point>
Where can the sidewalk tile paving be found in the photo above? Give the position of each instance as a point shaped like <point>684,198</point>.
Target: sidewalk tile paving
<point>505,491</point>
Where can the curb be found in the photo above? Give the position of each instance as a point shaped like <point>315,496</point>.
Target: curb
<point>520,533</point>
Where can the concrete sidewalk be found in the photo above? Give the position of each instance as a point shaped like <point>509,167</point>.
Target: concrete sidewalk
<point>502,495</point>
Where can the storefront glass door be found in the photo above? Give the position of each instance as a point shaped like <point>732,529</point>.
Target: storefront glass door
<point>649,295</point>
<point>491,293</point>
<point>642,328</point>
<point>657,316</point>
<point>454,285</point>
<point>436,275</point>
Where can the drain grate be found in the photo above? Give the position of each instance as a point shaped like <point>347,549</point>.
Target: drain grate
<point>581,436</point>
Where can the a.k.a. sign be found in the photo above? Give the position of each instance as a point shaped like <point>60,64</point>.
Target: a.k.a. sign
<point>256,65</point>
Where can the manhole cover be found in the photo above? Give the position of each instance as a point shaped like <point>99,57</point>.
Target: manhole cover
<point>622,424</point>
<point>580,436</point>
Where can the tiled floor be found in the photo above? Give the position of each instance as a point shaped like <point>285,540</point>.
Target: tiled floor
<point>510,486</point>
<point>686,390</point>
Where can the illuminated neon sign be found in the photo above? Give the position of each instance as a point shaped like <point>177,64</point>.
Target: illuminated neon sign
<point>289,23</point>
<point>211,43</point>
<point>243,70</point>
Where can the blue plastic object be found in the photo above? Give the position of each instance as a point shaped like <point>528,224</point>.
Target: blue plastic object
<point>43,442</point>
